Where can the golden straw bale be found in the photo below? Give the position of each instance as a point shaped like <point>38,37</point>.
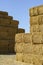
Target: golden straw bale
<point>19,57</point>
<point>40,9</point>
<point>33,11</point>
<point>36,60</point>
<point>36,10</point>
<point>28,58</point>
<point>34,28</point>
<point>27,38</point>
<point>27,48</point>
<point>37,37</point>
<point>19,37</point>
<point>32,58</point>
<point>37,49</point>
<point>34,20</point>
<point>19,47</point>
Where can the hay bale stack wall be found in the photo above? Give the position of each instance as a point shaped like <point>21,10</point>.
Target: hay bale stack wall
<point>29,46</point>
<point>8,30</point>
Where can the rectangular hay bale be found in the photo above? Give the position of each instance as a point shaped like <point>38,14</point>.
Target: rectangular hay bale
<point>4,46</point>
<point>27,48</point>
<point>37,37</point>
<point>3,35</point>
<point>32,59</point>
<point>34,20</point>
<point>4,42</point>
<point>33,11</point>
<point>19,38</point>
<point>19,57</point>
<point>19,47</point>
<point>12,29</point>
<point>36,10</point>
<point>36,60</point>
<point>27,37</point>
<point>14,23</point>
<point>11,36</point>
<point>28,58</point>
<point>37,49</point>
<point>34,28</point>
<point>4,29</point>
<point>4,21</point>
<point>6,35</point>
<point>40,9</point>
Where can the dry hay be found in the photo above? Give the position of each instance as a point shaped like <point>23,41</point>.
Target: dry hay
<point>36,48</point>
<point>34,20</point>
<point>19,47</point>
<point>19,37</point>
<point>19,57</point>
<point>27,38</point>
<point>34,28</point>
<point>37,37</point>
<point>31,58</point>
<point>27,48</point>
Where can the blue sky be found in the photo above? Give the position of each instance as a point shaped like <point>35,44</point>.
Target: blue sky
<point>19,9</point>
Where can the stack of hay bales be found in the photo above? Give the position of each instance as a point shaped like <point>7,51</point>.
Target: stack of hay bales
<point>12,30</point>
<point>25,50</point>
<point>36,28</point>
<point>23,46</point>
<point>29,46</point>
<point>8,29</point>
<point>36,25</point>
<point>19,46</point>
<point>36,19</point>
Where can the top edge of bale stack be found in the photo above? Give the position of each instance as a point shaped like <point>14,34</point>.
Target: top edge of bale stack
<point>38,10</point>
<point>21,30</point>
<point>3,13</point>
<point>14,22</point>
<point>6,17</point>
